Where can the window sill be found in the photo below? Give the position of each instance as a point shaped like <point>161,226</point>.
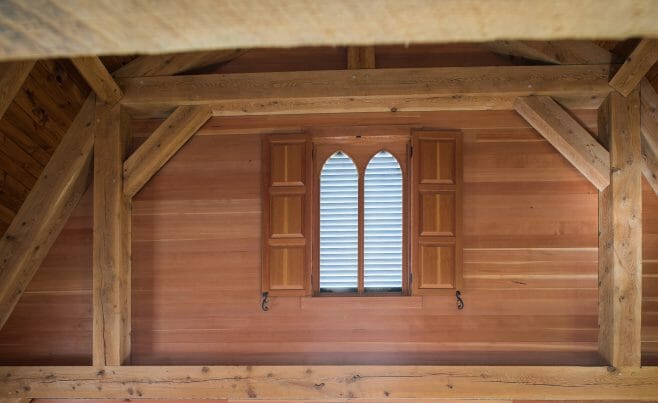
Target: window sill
<point>336,303</point>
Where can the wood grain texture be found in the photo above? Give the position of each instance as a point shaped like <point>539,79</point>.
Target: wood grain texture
<point>45,211</point>
<point>98,78</point>
<point>360,57</point>
<point>620,228</point>
<point>111,242</point>
<point>389,90</point>
<point>574,142</point>
<point>643,57</point>
<point>57,304</point>
<point>162,145</point>
<point>554,52</point>
<point>649,275</point>
<point>16,400</point>
<point>12,75</point>
<point>436,258</point>
<point>531,253</point>
<point>175,63</point>
<point>330,382</point>
<point>649,123</point>
<point>33,125</point>
<point>287,175</point>
<point>123,27</point>
<point>530,250</point>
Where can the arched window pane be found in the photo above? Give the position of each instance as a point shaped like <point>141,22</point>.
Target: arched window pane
<point>383,223</point>
<point>339,222</point>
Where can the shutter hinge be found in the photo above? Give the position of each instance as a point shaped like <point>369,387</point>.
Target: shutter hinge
<point>411,151</point>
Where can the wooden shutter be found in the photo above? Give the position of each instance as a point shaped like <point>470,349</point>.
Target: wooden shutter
<point>436,211</point>
<point>286,252</point>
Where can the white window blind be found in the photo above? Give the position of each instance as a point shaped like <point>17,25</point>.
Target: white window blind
<point>383,223</point>
<point>339,222</point>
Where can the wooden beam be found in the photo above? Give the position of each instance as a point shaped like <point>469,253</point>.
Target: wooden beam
<point>385,90</point>
<point>554,52</point>
<point>167,139</point>
<point>12,76</point>
<point>360,57</point>
<point>111,241</point>
<point>331,382</point>
<point>175,63</point>
<point>649,119</point>
<point>45,210</point>
<point>620,233</point>
<point>16,400</point>
<point>568,137</point>
<point>80,27</point>
<point>98,78</point>
<point>643,57</point>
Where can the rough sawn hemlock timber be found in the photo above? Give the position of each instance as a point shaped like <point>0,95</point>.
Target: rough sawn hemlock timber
<point>331,382</point>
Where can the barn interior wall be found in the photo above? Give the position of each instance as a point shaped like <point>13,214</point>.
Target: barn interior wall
<point>530,255</point>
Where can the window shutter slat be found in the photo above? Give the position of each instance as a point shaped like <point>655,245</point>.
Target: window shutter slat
<point>339,232</point>
<point>383,223</point>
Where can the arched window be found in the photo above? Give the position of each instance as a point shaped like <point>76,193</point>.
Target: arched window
<point>383,224</point>
<point>339,224</point>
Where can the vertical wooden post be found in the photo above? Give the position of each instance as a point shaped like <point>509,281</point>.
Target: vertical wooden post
<point>361,57</point>
<point>111,241</point>
<point>620,233</point>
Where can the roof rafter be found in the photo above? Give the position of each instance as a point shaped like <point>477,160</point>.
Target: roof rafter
<point>98,78</point>
<point>554,52</point>
<point>643,57</point>
<point>176,63</point>
<point>46,210</point>
<point>12,76</point>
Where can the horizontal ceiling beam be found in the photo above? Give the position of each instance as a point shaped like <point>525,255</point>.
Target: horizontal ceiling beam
<point>330,382</point>
<point>385,90</point>
<point>80,27</point>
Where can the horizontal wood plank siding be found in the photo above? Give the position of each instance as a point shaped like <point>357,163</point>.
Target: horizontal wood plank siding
<point>530,223</point>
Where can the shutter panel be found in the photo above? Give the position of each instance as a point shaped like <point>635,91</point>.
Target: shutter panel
<point>286,253</point>
<point>436,211</point>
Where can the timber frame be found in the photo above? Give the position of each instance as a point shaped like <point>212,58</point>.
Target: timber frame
<point>194,99</point>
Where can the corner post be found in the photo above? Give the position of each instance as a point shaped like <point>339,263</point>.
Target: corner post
<point>620,233</point>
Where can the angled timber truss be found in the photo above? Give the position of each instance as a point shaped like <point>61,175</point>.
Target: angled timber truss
<point>628,126</point>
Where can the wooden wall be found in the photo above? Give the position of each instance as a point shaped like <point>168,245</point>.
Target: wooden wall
<point>530,238</point>
<point>32,127</point>
<point>530,226</point>
<point>650,276</point>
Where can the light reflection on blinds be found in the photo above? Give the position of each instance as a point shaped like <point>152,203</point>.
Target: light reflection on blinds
<point>339,234</point>
<point>383,223</point>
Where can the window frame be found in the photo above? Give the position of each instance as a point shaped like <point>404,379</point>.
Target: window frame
<point>361,147</point>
